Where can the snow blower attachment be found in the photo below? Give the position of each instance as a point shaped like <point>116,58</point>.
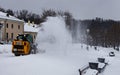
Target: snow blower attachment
<point>23,45</point>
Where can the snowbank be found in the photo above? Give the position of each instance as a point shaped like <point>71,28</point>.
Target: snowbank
<point>5,48</point>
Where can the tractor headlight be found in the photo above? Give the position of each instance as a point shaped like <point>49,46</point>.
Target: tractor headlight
<point>15,49</point>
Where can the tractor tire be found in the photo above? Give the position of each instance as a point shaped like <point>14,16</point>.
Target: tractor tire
<point>17,54</point>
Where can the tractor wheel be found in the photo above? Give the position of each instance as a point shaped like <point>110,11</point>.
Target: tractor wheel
<point>17,54</point>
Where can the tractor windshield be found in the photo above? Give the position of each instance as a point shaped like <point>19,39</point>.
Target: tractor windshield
<point>21,37</point>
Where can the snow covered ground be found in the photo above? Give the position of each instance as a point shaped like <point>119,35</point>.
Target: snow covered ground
<point>53,63</point>
<point>57,56</point>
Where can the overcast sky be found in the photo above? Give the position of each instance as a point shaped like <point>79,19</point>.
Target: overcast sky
<point>81,9</point>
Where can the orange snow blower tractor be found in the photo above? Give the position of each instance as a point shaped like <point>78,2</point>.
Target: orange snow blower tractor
<point>23,45</point>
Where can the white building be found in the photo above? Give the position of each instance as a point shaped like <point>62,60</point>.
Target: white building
<point>12,26</point>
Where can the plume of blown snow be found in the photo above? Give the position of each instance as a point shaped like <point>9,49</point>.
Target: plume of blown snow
<point>53,33</point>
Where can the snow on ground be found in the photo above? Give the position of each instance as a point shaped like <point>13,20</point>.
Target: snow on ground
<point>33,65</point>
<point>53,63</point>
<point>114,65</point>
<point>5,48</point>
<point>39,64</point>
<point>91,72</point>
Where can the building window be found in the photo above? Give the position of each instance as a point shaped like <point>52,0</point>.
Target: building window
<point>11,35</point>
<point>12,26</point>
<point>6,35</point>
<point>18,26</point>
<point>7,25</point>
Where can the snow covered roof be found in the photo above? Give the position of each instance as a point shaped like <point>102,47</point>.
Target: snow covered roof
<point>4,16</point>
<point>30,27</point>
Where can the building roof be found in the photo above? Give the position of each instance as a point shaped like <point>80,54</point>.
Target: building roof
<point>4,16</point>
<point>30,27</point>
